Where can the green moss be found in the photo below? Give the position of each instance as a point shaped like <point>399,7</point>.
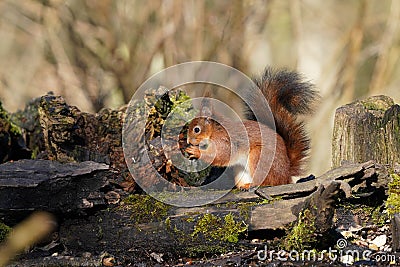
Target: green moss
<point>190,219</point>
<point>205,239</point>
<point>373,106</point>
<point>302,233</point>
<point>182,105</point>
<point>206,234</point>
<point>232,229</point>
<point>14,129</point>
<point>8,124</point>
<point>35,152</point>
<point>378,217</point>
<point>9,135</point>
<point>381,103</point>
<point>167,223</point>
<point>4,231</point>
<point>145,209</point>
<point>214,228</point>
<point>169,113</point>
<point>393,201</point>
<point>3,113</point>
<point>179,235</point>
<point>367,212</point>
<point>175,103</point>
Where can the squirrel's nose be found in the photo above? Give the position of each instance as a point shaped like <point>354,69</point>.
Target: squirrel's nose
<point>204,144</point>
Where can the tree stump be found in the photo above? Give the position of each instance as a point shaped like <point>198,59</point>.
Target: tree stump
<point>367,130</point>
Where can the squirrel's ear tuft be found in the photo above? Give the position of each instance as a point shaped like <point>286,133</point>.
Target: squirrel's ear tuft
<point>205,112</point>
<point>207,93</point>
<point>207,120</point>
<point>206,106</point>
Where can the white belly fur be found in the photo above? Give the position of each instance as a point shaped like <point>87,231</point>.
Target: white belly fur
<point>241,170</point>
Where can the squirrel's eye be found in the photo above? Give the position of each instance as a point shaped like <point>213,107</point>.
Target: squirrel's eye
<point>196,129</point>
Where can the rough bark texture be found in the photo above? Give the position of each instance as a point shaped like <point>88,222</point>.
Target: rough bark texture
<point>64,189</point>
<point>367,130</point>
<point>57,131</point>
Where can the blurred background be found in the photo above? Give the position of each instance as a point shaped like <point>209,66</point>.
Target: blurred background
<point>96,53</point>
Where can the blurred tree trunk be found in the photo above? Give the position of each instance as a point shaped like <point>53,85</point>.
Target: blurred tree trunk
<point>238,30</point>
<point>348,71</point>
<point>384,66</point>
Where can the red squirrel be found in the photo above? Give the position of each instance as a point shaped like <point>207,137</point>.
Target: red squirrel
<point>283,147</point>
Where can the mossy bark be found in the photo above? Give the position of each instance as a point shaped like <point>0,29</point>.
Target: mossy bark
<point>367,130</point>
<point>57,131</point>
<point>12,144</point>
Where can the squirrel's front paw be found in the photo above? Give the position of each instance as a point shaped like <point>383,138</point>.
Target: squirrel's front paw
<point>244,187</point>
<point>193,151</point>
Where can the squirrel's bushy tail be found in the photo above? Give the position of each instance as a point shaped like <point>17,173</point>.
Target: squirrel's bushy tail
<point>289,96</point>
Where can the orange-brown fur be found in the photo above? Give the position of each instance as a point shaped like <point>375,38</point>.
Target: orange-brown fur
<point>275,154</point>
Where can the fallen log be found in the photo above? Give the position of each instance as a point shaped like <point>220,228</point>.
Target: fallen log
<point>120,227</point>
<point>71,188</point>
